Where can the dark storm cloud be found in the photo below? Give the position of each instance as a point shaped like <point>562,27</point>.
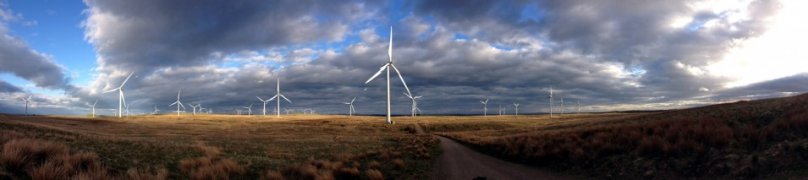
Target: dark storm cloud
<point>224,54</point>
<point>150,34</point>
<point>636,34</point>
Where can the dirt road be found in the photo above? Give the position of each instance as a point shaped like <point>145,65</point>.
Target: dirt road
<point>461,162</point>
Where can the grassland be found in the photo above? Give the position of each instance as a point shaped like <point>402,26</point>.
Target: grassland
<point>748,139</point>
<point>240,147</point>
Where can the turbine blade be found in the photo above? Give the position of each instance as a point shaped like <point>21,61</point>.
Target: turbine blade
<point>172,104</point>
<point>127,79</point>
<point>401,78</point>
<point>354,99</point>
<point>390,46</point>
<point>259,98</point>
<point>273,98</point>
<point>284,97</point>
<point>377,73</point>
<point>111,90</point>
<point>408,95</point>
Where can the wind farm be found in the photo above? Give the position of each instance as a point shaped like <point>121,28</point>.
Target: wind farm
<point>639,90</point>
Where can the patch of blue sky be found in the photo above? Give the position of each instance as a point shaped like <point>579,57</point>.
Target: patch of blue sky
<point>531,12</point>
<point>57,32</point>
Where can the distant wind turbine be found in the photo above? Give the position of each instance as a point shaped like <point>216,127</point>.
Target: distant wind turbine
<point>26,101</point>
<point>350,106</point>
<point>415,108</point>
<point>155,111</point>
<point>516,109</point>
<point>178,103</point>
<point>121,98</point>
<point>551,101</point>
<point>264,111</point>
<point>194,107</point>
<point>93,107</point>
<point>562,104</point>
<point>249,109</point>
<point>386,67</point>
<point>277,95</point>
<point>485,107</point>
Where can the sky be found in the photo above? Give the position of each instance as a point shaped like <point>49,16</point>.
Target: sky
<point>609,55</point>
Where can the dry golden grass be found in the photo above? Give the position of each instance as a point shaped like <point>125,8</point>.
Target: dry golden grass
<point>234,146</point>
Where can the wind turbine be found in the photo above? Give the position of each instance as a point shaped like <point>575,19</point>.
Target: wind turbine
<point>350,106</point>
<point>414,103</point>
<point>562,104</point>
<point>121,99</point>
<point>155,110</point>
<point>579,107</point>
<point>26,101</point>
<point>277,94</point>
<point>127,108</point>
<point>249,109</point>
<point>265,104</point>
<point>178,103</point>
<point>92,106</point>
<point>516,107</point>
<point>551,101</point>
<point>194,107</point>
<point>386,67</point>
<point>485,107</point>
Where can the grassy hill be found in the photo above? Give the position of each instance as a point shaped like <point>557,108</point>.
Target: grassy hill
<point>746,139</point>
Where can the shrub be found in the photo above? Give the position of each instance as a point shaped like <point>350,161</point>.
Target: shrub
<point>374,174</point>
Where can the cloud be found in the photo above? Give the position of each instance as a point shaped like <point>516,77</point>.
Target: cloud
<point>6,87</point>
<point>17,58</point>
<point>608,55</point>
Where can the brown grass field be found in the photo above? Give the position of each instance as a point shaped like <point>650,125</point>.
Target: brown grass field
<point>240,147</point>
<point>749,139</point>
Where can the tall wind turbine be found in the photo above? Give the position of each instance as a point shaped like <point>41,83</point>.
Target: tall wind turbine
<point>93,107</point>
<point>386,67</point>
<point>178,103</point>
<point>485,107</point>
<point>414,103</point>
<point>278,94</point>
<point>516,107</point>
<point>121,99</point>
<point>551,101</point>
<point>26,101</point>
<point>265,104</point>
<point>350,107</point>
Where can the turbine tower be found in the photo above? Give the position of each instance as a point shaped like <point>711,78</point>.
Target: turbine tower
<point>414,103</point>
<point>562,104</point>
<point>93,107</point>
<point>26,101</point>
<point>178,103</point>
<point>386,67</point>
<point>350,107</point>
<point>278,94</point>
<point>485,107</point>
<point>578,111</point>
<point>516,107</point>
<point>551,101</point>
<point>121,99</point>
